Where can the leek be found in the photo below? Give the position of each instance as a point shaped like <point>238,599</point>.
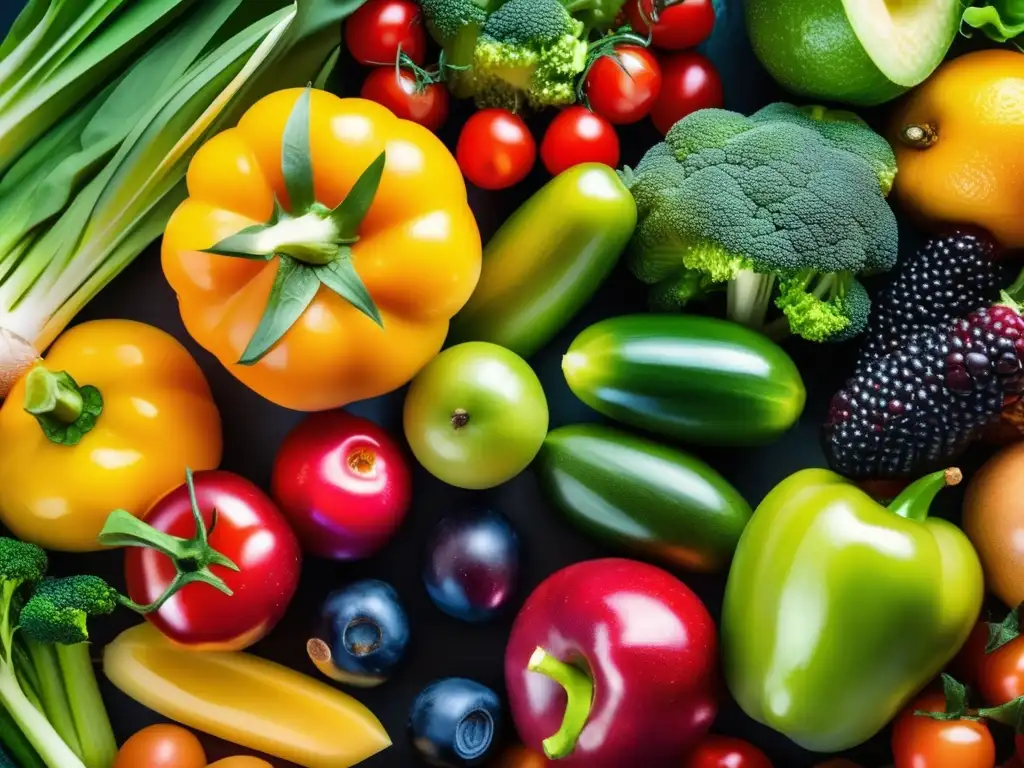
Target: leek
<point>113,170</point>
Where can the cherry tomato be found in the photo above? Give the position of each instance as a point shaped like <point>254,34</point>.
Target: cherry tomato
<point>252,533</point>
<point>622,85</point>
<point>396,90</point>
<point>495,149</point>
<point>966,666</point>
<point>376,31</point>
<point>162,746</point>
<point>726,752</point>
<point>689,82</point>
<point>343,483</point>
<point>680,25</point>
<point>575,136</point>
<point>1001,675</point>
<point>924,742</point>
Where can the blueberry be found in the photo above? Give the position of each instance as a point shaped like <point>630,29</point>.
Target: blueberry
<point>363,634</point>
<point>472,564</point>
<point>455,722</point>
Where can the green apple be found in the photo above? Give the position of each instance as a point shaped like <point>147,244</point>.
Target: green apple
<point>862,52</point>
<point>476,415</point>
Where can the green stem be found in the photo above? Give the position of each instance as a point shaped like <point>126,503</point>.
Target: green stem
<point>50,394</point>
<point>747,298</point>
<point>33,723</point>
<point>916,499</point>
<point>95,734</point>
<point>15,743</point>
<point>579,691</point>
<point>51,692</point>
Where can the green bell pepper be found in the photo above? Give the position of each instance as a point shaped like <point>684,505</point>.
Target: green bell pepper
<point>547,260</point>
<point>645,497</point>
<point>838,610</point>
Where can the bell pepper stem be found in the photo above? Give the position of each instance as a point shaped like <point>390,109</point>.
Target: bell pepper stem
<point>579,691</point>
<point>48,393</point>
<point>916,499</point>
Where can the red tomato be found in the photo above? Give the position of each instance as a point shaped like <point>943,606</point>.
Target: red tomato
<point>161,746</point>
<point>680,25</point>
<point>376,31</point>
<point>252,533</point>
<point>726,752</point>
<point>343,483</point>
<point>622,85</point>
<point>495,149</point>
<point>919,741</point>
<point>575,136</point>
<point>689,82</point>
<point>396,90</point>
<point>966,667</point>
<point>1001,673</point>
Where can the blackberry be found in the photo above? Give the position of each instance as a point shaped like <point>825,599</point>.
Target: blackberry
<point>918,407</point>
<point>947,278</point>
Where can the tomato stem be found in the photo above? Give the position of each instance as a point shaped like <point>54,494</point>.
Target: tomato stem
<point>579,690</point>
<point>192,557</point>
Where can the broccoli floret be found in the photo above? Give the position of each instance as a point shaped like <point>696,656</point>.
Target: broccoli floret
<point>675,293</point>
<point>456,26</point>
<point>757,204</point>
<point>844,130</point>
<point>530,53</point>
<point>832,307</point>
<point>20,563</point>
<point>59,609</point>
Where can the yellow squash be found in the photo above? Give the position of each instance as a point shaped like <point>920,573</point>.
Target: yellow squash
<point>108,420</point>
<point>244,699</point>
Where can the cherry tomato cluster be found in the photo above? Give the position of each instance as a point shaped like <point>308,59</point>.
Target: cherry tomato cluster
<point>389,36</point>
<point>624,82</point>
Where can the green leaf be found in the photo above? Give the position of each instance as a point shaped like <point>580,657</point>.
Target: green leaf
<point>1002,633</point>
<point>296,163</point>
<point>341,277</point>
<point>295,286</point>
<point>1001,20</point>
<point>956,695</point>
<point>244,244</point>
<point>352,210</point>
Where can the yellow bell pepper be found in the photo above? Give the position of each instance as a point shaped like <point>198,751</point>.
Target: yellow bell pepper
<point>109,419</point>
<point>244,699</point>
<point>323,248</point>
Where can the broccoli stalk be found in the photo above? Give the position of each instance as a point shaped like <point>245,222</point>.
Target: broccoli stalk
<point>748,296</point>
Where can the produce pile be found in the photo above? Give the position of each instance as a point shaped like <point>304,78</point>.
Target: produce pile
<point>324,252</point>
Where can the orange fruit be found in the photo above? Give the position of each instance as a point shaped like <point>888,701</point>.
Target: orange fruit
<point>959,143</point>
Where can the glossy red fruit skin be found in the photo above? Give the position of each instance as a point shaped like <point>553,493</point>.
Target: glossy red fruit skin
<point>577,136</point>
<point>378,29</point>
<point>622,86</point>
<point>343,484</point>
<point>682,24</point>
<point>495,149</point>
<point>726,752</point>
<point>651,648</point>
<point>251,532</point>
<point>689,81</point>
<point>396,90</point>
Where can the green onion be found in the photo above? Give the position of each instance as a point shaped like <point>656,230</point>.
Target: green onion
<point>112,171</point>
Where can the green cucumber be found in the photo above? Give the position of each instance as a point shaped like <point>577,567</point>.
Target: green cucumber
<point>648,498</point>
<point>547,260</point>
<point>692,378</point>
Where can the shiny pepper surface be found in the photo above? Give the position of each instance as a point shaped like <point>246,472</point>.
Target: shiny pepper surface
<point>136,412</point>
<point>838,610</point>
<point>406,265</point>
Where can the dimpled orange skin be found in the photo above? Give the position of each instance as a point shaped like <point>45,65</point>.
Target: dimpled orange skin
<point>418,253</point>
<point>974,173</point>
<point>158,418</point>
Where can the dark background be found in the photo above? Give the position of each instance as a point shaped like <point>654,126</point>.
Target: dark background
<point>442,646</point>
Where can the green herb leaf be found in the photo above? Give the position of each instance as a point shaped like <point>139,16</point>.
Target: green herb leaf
<point>294,287</point>
<point>244,244</point>
<point>1002,633</point>
<point>296,163</point>
<point>1001,20</point>
<point>351,211</point>
<point>341,277</point>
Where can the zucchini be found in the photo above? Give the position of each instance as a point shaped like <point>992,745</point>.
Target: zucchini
<point>692,378</point>
<point>648,498</point>
<point>547,260</point>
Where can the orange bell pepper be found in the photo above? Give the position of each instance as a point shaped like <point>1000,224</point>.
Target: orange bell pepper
<point>244,699</point>
<point>110,419</point>
<point>313,290</point>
